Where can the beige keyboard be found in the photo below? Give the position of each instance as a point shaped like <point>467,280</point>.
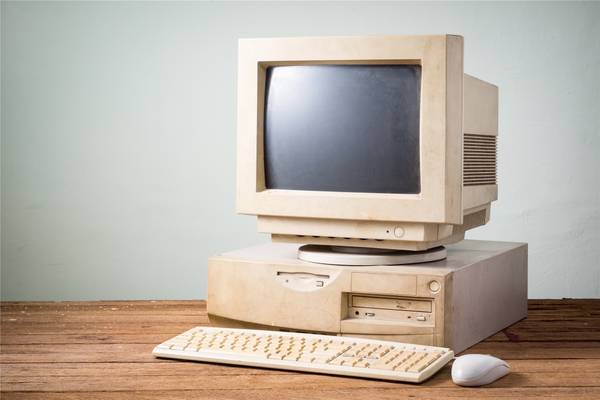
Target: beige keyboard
<point>306,352</point>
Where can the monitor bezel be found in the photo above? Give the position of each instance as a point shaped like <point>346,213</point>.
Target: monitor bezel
<point>441,60</point>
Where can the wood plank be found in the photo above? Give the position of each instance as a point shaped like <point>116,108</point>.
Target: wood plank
<point>318,393</point>
<point>277,381</point>
<point>47,306</point>
<point>142,352</point>
<point>89,338</point>
<point>116,328</point>
<point>197,369</point>
<point>538,350</point>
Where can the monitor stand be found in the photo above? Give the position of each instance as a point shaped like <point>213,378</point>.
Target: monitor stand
<point>362,256</point>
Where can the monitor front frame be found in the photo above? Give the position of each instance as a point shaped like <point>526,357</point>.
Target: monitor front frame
<point>440,144</point>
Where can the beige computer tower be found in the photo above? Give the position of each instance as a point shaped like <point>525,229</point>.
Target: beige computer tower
<point>478,290</point>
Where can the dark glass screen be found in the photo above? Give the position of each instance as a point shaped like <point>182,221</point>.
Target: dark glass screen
<point>343,128</point>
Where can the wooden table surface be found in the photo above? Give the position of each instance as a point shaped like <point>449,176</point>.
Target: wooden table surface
<point>103,350</point>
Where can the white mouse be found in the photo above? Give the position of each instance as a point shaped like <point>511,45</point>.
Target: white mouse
<point>478,369</point>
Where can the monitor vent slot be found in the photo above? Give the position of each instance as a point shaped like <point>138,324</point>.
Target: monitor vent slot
<point>479,162</point>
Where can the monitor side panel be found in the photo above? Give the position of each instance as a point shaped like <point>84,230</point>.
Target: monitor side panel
<point>481,107</point>
<point>480,144</point>
<point>440,199</point>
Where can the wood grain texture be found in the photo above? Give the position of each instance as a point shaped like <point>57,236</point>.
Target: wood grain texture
<point>102,350</point>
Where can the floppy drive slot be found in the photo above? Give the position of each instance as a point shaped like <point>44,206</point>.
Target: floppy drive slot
<point>301,275</point>
<point>302,280</point>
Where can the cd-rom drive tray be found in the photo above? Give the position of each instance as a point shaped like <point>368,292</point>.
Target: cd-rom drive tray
<point>392,315</point>
<point>390,303</point>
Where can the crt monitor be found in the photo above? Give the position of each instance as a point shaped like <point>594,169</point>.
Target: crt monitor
<point>377,142</point>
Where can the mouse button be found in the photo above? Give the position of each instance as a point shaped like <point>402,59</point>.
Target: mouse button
<point>493,375</point>
<point>466,374</point>
<point>500,370</point>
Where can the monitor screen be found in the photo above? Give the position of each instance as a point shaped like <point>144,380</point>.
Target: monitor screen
<point>343,128</point>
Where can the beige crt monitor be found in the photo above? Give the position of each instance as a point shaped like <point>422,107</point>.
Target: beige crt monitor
<point>307,107</point>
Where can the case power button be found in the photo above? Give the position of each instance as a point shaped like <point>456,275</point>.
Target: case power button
<point>434,286</point>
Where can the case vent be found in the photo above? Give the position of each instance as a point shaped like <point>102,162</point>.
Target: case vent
<point>479,160</point>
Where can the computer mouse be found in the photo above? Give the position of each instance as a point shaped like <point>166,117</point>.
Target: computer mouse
<point>478,369</point>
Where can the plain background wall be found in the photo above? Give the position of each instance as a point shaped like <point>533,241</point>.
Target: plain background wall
<point>119,121</point>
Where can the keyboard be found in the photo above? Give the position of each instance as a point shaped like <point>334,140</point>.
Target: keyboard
<point>335,355</point>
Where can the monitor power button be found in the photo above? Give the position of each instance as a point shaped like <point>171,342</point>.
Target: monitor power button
<point>398,231</point>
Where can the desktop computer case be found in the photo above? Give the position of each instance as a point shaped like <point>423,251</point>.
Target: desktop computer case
<point>478,290</point>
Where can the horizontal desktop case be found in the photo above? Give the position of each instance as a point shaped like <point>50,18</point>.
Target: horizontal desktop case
<point>478,290</point>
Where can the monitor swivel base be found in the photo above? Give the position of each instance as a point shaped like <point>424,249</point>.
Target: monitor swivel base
<point>359,256</point>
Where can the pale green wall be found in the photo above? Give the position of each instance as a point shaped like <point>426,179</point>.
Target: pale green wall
<point>118,136</point>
